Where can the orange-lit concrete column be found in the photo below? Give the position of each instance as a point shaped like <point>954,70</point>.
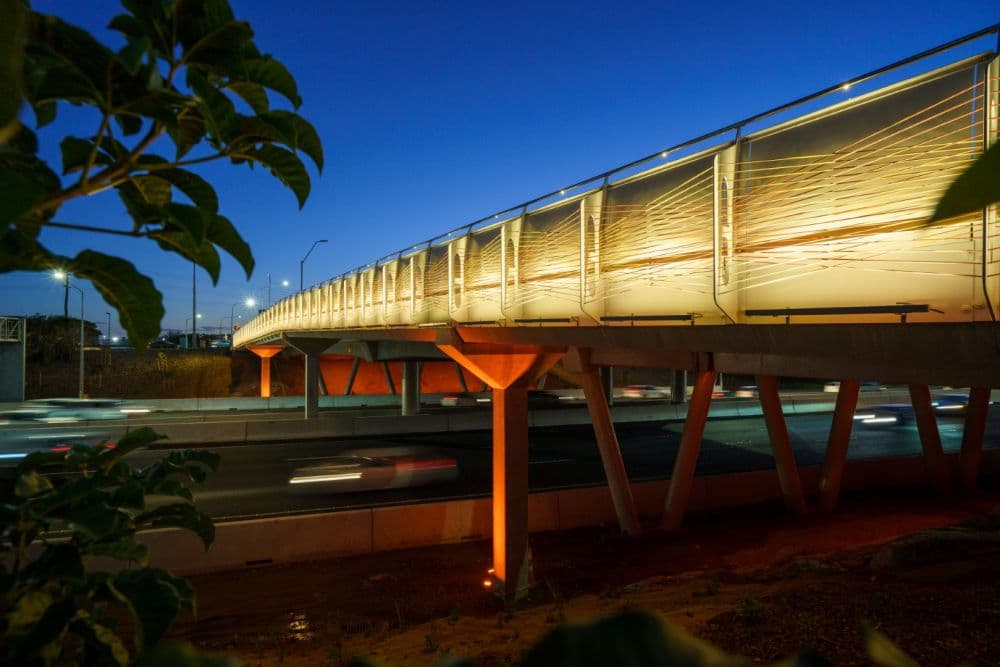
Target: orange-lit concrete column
<point>578,361</point>
<point>930,439</point>
<point>265,352</point>
<point>972,438</point>
<point>781,446</point>
<point>687,457</point>
<point>509,371</point>
<point>836,447</point>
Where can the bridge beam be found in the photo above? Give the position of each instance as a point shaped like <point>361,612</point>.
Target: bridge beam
<point>781,446</point>
<point>682,478</point>
<point>836,447</point>
<point>930,439</point>
<point>972,438</point>
<point>509,371</point>
<point>265,352</point>
<point>578,361</point>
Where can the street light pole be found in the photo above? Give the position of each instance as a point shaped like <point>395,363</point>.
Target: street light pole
<point>108,337</point>
<point>64,276</point>
<point>302,263</point>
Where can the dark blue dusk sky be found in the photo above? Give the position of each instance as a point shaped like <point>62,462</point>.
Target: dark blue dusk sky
<point>434,114</point>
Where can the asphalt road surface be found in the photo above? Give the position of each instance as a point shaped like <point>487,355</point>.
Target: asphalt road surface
<point>253,479</point>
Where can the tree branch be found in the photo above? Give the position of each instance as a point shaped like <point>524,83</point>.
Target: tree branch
<point>89,228</point>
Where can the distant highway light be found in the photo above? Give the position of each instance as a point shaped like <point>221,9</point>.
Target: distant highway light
<point>865,417</point>
<point>14,455</point>
<point>880,420</point>
<point>135,411</point>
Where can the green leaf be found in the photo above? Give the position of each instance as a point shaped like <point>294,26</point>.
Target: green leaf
<point>174,654</point>
<point>882,651</point>
<point>21,251</point>
<point>30,483</point>
<point>975,188</point>
<point>13,24</point>
<point>180,515</point>
<point>169,487</point>
<point>222,233</point>
<point>104,647</point>
<point>154,600</point>
<point>58,561</point>
<point>130,494</point>
<point>139,208</point>
<point>133,295</point>
<point>134,440</point>
<point>215,108</point>
<point>270,73</point>
<point>45,113</point>
<point>216,48</point>
<point>284,165</point>
<point>18,195</point>
<point>124,549</point>
<point>298,134</point>
<point>75,64</point>
<point>28,610</point>
<point>128,123</point>
<point>76,152</point>
<point>189,132</point>
<point>251,93</point>
<point>154,189</point>
<point>130,56</point>
<point>96,520</point>
<point>196,188</point>
<point>202,253</point>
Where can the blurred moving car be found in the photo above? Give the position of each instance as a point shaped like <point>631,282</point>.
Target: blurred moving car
<point>459,399</point>
<point>645,391</point>
<point>886,414</point>
<point>953,404</point>
<point>58,410</point>
<point>220,344</point>
<point>17,443</point>
<point>747,391</point>
<point>372,471</point>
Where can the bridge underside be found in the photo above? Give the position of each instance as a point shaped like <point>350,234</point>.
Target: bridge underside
<point>509,360</point>
<point>956,354</point>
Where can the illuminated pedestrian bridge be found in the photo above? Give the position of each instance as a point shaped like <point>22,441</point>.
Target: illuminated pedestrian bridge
<point>817,219</point>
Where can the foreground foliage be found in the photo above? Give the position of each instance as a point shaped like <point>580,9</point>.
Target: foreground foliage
<point>58,609</point>
<point>642,638</point>
<point>189,72</point>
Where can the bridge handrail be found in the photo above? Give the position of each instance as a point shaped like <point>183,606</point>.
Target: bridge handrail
<point>662,153</point>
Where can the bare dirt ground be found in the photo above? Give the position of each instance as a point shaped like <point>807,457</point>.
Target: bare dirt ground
<point>754,581</point>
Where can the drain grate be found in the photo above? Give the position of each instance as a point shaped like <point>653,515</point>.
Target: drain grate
<point>360,628</point>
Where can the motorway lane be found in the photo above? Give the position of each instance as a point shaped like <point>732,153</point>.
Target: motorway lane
<point>253,479</point>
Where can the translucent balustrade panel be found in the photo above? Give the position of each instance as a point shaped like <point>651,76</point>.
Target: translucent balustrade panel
<point>831,210</point>
<point>656,243</point>
<point>545,284</point>
<point>432,286</point>
<point>480,295</point>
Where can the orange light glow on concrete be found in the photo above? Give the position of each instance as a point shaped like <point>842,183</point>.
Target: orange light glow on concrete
<point>265,352</point>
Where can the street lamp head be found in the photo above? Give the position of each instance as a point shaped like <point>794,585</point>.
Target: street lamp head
<point>198,316</point>
<point>284,283</point>
<point>250,302</point>
<point>322,241</point>
<point>59,274</point>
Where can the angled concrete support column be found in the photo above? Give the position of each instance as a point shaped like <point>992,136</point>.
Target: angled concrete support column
<point>781,446</point>
<point>930,439</point>
<point>509,370</point>
<point>578,361</point>
<point>972,438</point>
<point>411,388</point>
<point>687,456</point>
<point>265,352</point>
<point>388,378</point>
<point>608,383</point>
<point>836,447</point>
<point>349,385</point>
<point>310,348</point>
